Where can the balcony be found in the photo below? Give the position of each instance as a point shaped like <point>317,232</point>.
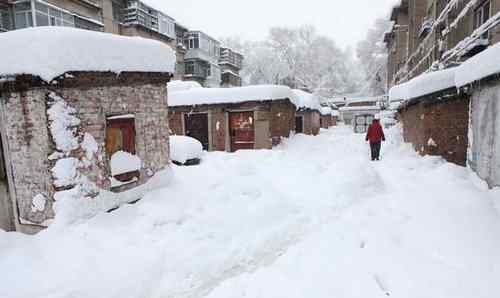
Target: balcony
<point>90,3</point>
<point>230,57</point>
<point>197,69</point>
<point>138,13</point>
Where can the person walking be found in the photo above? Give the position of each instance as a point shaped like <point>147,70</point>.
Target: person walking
<point>375,135</point>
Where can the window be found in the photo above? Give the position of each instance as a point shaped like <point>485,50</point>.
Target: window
<point>481,15</point>
<point>190,68</point>
<point>5,19</point>
<point>23,17</point>
<point>117,9</point>
<point>120,136</point>
<point>87,25</point>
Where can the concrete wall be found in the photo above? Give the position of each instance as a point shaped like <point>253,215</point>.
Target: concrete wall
<point>438,127</point>
<point>29,143</point>
<point>484,137</point>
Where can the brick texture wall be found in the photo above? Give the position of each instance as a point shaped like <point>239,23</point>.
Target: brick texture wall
<point>438,128</point>
<point>279,113</point>
<point>311,122</point>
<point>94,97</point>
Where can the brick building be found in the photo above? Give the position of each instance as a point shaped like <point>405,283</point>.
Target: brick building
<point>308,117</point>
<point>230,119</point>
<point>438,34</point>
<point>327,119</point>
<point>435,116</point>
<point>66,127</point>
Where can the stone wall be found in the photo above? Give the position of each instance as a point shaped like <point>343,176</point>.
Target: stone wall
<point>93,96</point>
<point>438,126</point>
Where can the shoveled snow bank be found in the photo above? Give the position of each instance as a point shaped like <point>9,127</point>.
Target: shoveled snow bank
<point>480,66</point>
<point>424,84</point>
<point>306,100</point>
<point>51,51</point>
<point>184,148</point>
<point>176,86</point>
<point>123,162</point>
<point>291,222</point>
<point>201,96</point>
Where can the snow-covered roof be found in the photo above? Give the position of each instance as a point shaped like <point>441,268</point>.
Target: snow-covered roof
<point>424,84</point>
<point>176,86</point>
<point>49,52</point>
<point>480,66</point>
<point>306,100</point>
<point>359,108</point>
<point>326,111</point>
<point>362,99</point>
<point>201,96</point>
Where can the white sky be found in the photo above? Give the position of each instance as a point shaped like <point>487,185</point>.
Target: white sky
<point>346,21</point>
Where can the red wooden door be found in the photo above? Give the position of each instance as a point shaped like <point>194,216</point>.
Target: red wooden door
<point>241,126</point>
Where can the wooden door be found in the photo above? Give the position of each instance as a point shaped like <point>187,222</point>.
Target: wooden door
<point>196,126</point>
<point>299,124</point>
<point>241,127</point>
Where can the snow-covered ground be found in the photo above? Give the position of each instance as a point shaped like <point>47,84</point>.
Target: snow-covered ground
<point>312,218</point>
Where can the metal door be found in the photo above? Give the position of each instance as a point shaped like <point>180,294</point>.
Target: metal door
<point>299,124</point>
<point>196,126</point>
<point>241,127</point>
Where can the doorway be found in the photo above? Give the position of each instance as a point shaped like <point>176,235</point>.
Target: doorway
<point>241,127</point>
<point>196,126</point>
<point>299,124</point>
<point>6,218</point>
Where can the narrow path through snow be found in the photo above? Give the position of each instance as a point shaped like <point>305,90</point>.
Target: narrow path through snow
<point>312,218</point>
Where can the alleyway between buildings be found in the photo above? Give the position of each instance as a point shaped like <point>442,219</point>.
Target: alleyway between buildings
<point>311,218</point>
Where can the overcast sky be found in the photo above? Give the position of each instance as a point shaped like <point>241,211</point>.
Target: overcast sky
<point>346,21</point>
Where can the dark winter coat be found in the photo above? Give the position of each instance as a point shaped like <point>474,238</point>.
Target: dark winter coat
<point>375,132</point>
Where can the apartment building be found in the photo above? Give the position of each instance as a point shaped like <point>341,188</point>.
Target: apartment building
<point>439,34</point>
<point>198,54</point>
<point>84,14</point>
<point>201,61</point>
<point>231,63</point>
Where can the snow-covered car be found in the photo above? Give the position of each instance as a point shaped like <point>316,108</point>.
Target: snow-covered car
<point>185,150</point>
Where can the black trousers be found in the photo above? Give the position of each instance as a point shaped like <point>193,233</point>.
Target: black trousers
<point>375,148</point>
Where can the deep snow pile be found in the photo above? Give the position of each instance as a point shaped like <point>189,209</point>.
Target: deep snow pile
<point>49,52</point>
<point>311,218</point>
<point>184,148</point>
<point>201,96</point>
<point>176,86</point>
<point>306,100</point>
<point>424,84</point>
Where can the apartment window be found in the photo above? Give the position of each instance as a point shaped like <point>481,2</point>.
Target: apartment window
<point>208,71</point>
<point>5,19</point>
<point>23,17</point>
<point>117,9</point>
<point>190,68</point>
<point>481,15</point>
<point>83,23</point>
<point>50,16</point>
